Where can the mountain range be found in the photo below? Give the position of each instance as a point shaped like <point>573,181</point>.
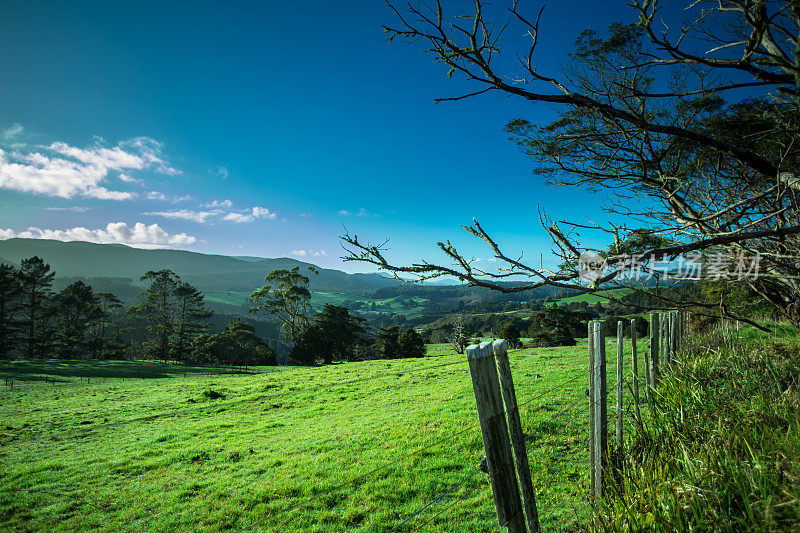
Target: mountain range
<point>206,271</point>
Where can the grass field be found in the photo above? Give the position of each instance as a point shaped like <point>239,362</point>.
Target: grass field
<point>354,446</point>
<point>593,298</point>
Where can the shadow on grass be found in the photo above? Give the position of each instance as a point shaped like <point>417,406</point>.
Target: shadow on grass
<point>64,370</point>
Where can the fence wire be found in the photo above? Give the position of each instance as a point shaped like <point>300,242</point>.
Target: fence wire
<point>259,397</point>
<point>438,498</point>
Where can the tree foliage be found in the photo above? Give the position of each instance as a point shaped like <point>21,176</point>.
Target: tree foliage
<point>691,132</point>
<point>36,279</point>
<point>286,296</point>
<point>74,310</point>
<point>334,335</point>
<point>160,309</point>
<point>190,318</point>
<point>10,292</point>
<point>236,345</point>
<point>387,342</point>
<point>511,334</point>
<point>410,344</point>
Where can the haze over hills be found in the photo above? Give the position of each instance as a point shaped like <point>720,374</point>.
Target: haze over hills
<point>208,272</point>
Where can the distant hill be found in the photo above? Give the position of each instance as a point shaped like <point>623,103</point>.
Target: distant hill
<point>206,271</point>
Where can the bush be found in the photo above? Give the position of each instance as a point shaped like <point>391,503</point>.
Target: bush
<point>237,345</point>
<point>545,340</point>
<point>558,324</point>
<point>410,344</point>
<point>510,333</point>
<point>333,336</point>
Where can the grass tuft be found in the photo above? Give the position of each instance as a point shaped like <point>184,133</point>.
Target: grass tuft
<point>720,448</point>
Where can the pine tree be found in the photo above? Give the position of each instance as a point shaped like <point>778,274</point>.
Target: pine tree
<point>10,291</point>
<point>159,309</point>
<point>106,329</point>
<point>386,342</point>
<point>74,310</point>
<point>36,279</point>
<point>190,319</point>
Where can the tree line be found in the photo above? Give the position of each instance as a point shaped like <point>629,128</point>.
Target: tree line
<point>169,322</point>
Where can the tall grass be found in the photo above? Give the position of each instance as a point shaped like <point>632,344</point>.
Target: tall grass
<point>721,449</point>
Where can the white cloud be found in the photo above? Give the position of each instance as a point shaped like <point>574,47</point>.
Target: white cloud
<point>12,131</point>
<point>155,195</point>
<point>262,212</point>
<point>221,171</point>
<point>127,178</point>
<point>255,212</point>
<point>185,214</point>
<point>309,253</point>
<point>115,232</point>
<point>217,203</point>
<point>75,208</point>
<point>53,176</point>
<point>360,213</point>
<point>150,151</point>
<point>67,171</point>
<point>305,215</point>
<point>364,213</point>
<point>184,198</point>
<point>238,217</point>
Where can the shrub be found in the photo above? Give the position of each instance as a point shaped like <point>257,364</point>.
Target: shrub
<point>410,344</point>
<point>546,340</point>
<point>510,333</point>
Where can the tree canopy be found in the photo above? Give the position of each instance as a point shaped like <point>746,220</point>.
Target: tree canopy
<point>692,131</point>
<point>286,296</point>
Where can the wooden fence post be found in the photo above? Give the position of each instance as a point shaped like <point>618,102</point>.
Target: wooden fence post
<point>654,349</point>
<point>664,340</point>
<point>590,342</point>
<point>620,379</point>
<point>672,336</point>
<point>598,427</point>
<point>517,436</point>
<point>635,362</point>
<point>494,431</point>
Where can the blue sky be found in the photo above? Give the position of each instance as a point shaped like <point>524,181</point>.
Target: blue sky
<point>262,129</point>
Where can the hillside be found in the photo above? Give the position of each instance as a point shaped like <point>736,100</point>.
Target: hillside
<point>207,271</point>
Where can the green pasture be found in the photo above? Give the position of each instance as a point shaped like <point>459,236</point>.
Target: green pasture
<point>319,299</point>
<point>352,446</point>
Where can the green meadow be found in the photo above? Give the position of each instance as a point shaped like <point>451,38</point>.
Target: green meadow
<point>599,296</point>
<point>354,446</point>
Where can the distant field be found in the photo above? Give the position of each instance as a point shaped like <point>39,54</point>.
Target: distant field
<point>355,446</point>
<point>319,299</point>
<point>597,296</point>
<point>227,297</point>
